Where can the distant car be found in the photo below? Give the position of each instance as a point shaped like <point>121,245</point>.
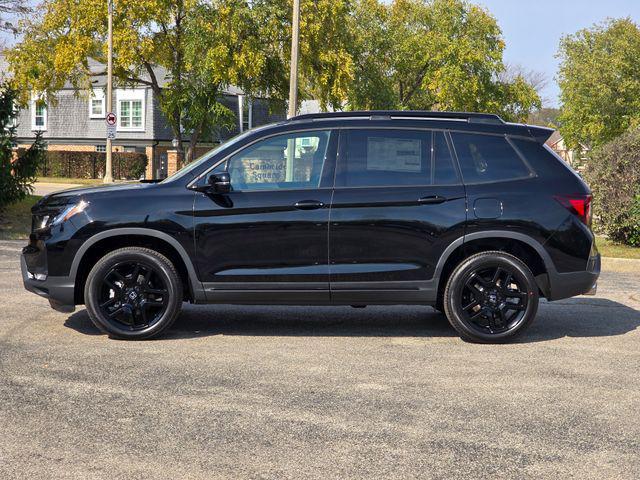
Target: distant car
<point>463,212</point>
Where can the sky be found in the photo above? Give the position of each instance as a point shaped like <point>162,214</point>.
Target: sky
<point>532,29</point>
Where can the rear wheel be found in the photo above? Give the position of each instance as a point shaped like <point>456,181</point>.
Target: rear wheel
<point>133,293</point>
<point>491,297</point>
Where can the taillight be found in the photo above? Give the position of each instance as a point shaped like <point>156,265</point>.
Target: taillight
<point>579,205</point>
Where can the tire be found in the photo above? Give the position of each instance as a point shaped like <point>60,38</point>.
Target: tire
<point>491,297</point>
<point>133,293</point>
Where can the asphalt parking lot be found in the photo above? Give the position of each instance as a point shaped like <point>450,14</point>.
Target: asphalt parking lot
<point>261,392</point>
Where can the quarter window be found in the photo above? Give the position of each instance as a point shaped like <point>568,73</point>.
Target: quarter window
<point>395,158</point>
<point>488,158</point>
<point>288,161</point>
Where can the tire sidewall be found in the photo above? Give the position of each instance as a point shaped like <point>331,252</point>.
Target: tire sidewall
<point>162,267</point>
<point>456,284</point>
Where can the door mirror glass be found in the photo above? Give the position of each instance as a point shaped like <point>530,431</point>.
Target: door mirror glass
<point>220,182</point>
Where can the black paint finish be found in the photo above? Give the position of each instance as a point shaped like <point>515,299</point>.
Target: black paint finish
<point>332,244</point>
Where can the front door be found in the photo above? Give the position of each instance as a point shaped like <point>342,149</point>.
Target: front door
<point>398,204</point>
<point>266,241</point>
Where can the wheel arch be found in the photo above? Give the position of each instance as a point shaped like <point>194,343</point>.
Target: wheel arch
<point>104,242</point>
<point>527,249</point>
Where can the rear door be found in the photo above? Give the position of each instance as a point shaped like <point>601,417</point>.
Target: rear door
<point>398,203</point>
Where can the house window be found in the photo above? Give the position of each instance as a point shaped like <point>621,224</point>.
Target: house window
<point>96,104</point>
<point>245,108</point>
<point>101,148</point>
<point>131,109</point>
<point>131,113</point>
<point>39,117</point>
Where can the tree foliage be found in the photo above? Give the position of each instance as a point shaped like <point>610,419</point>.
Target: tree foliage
<point>433,55</point>
<point>614,176</point>
<point>599,79</point>
<point>204,45</point>
<point>17,169</point>
<point>410,54</point>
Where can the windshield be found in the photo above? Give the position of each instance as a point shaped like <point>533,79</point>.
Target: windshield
<point>193,166</point>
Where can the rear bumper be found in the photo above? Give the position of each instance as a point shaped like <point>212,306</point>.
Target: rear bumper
<point>565,285</point>
<point>58,290</point>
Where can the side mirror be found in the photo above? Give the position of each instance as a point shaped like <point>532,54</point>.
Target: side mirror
<point>220,182</point>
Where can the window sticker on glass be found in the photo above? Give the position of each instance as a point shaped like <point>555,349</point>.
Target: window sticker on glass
<point>394,154</point>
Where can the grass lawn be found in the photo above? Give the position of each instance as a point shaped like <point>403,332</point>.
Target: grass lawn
<point>608,248</point>
<point>15,220</point>
<point>77,181</point>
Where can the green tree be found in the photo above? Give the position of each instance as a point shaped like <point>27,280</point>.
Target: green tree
<point>614,176</point>
<point>599,79</point>
<point>17,170</point>
<point>433,55</point>
<point>204,45</point>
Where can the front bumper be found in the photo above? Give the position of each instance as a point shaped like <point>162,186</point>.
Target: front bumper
<point>58,290</point>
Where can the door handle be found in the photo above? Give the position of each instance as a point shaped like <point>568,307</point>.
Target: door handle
<point>308,205</point>
<point>432,200</point>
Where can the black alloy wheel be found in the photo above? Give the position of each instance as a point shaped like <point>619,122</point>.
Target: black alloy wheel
<point>491,297</point>
<point>133,293</point>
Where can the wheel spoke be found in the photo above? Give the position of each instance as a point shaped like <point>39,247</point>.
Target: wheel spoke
<point>496,276</point>
<point>473,304</point>
<point>135,274</point>
<point>155,291</point>
<point>116,312</point>
<point>109,302</point>
<point>514,306</point>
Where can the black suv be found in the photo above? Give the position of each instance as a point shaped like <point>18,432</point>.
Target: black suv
<point>464,212</point>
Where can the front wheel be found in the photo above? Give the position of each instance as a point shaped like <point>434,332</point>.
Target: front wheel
<point>133,293</point>
<point>491,297</point>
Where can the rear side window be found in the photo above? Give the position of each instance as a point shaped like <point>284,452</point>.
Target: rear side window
<point>487,158</point>
<point>388,157</point>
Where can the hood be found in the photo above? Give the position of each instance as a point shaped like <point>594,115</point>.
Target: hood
<point>63,197</point>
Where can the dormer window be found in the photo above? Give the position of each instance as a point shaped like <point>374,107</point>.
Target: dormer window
<point>96,104</point>
<point>38,114</point>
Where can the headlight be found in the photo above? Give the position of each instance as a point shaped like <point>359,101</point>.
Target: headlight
<point>64,215</point>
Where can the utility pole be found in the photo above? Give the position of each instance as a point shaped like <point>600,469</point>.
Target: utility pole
<point>293,86</point>
<point>108,176</point>
<point>295,40</point>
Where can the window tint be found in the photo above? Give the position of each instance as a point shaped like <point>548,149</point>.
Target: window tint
<point>394,158</point>
<point>286,161</point>
<point>444,173</point>
<point>487,158</point>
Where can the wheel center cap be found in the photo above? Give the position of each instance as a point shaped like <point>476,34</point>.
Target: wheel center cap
<point>133,295</point>
<point>493,298</point>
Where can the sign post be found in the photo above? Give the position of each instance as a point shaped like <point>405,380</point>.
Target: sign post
<point>108,175</point>
<point>111,120</point>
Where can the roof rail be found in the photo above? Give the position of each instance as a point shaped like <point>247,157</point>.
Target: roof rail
<point>404,114</point>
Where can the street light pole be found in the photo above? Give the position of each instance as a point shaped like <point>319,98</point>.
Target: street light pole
<point>295,40</point>
<point>108,176</point>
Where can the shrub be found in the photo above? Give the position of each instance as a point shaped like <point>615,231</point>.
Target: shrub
<point>60,163</point>
<point>17,169</point>
<point>613,172</point>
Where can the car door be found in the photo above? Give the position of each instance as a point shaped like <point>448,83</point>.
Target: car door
<point>398,204</point>
<point>266,240</point>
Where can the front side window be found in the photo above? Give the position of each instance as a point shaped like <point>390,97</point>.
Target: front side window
<point>290,161</point>
<point>488,158</point>
<point>131,114</point>
<point>390,157</point>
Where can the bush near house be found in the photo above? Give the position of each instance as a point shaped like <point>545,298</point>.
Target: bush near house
<point>17,169</point>
<point>126,165</point>
<point>613,173</point>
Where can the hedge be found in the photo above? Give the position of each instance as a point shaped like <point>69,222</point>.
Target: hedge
<point>613,172</point>
<point>126,165</point>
